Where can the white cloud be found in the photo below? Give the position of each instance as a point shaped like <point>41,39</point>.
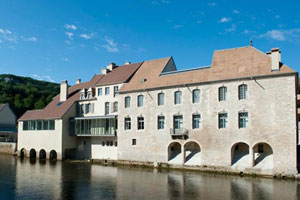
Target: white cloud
<point>177,26</point>
<point>231,29</point>
<point>212,4</point>
<point>247,32</point>
<point>282,35</point>
<point>68,42</point>
<point>43,78</point>
<point>30,39</point>
<point>71,26</point>
<point>70,35</point>
<point>236,12</point>
<point>5,32</point>
<point>87,36</point>
<point>158,2</point>
<point>111,45</point>
<point>224,20</point>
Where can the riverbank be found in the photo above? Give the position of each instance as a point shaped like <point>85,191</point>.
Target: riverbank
<point>202,169</point>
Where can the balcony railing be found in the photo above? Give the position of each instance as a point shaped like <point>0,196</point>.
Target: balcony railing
<point>181,133</point>
<point>97,133</point>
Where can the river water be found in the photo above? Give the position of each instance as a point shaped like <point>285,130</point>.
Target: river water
<point>22,179</point>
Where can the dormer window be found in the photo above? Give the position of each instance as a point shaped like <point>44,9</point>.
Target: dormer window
<point>82,96</point>
<point>90,95</point>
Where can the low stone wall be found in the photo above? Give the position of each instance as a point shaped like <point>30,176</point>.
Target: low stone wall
<point>7,147</point>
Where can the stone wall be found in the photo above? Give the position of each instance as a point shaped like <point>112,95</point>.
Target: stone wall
<point>7,147</point>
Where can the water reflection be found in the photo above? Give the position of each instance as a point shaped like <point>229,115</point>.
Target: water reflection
<point>34,179</point>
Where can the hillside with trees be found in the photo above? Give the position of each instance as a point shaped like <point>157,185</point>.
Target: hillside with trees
<point>24,93</point>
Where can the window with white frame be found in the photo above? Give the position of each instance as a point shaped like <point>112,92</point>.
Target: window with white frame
<point>127,102</point>
<point>160,122</point>
<point>196,96</point>
<point>160,99</point>
<point>127,123</point>
<point>140,123</point>
<point>106,108</point>
<point>223,120</point>
<point>196,121</point>
<point>99,91</point>
<point>222,93</point>
<point>133,143</point>
<point>115,107</point>
<point>90,95</point>
<point>177,97</point>
<point>116,90</point>
<point>140,101</point>
<point>82,96</point>
<point>243,91</point>
<point>106,90</point>
<point>178,122</point>
<point>243,119</point>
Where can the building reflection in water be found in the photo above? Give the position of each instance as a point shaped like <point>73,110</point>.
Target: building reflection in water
<point>25,179</point>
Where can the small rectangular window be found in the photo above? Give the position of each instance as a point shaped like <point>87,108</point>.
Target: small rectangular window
<point>140,101</point>
<point>222,93</point>
<point>106,108</point>
<point>116,90</point>
<point>140,123</point>
<point>196,96</point>
<point>127,102</point>
<point>243,120</point>
<point>107,91</point>
<point>127,123</point>
<point>196,121</point>
<point>51,125</point>
<point>177,97</point>
<point>223,120</point>
<point>243,92</point>
<point>133,142</point>
<point>160,122</point>
<point>161,99</point>
<point>99,91</point>
<point>178,122</point>
<point>25,125</point>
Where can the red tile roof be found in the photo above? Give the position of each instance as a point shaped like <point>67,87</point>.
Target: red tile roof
<point>55,111</point>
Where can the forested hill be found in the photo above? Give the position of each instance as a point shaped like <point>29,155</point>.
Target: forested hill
<point>23,93</point>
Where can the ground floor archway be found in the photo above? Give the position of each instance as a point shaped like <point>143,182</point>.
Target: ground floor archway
<point>192,153</point>
<point>240,156</point>
<point>23,153</point>
<point>263,156</point>
<point>53,155</point>
<point>32,153</point>
<point>174,153</point>
<point>42,154</point>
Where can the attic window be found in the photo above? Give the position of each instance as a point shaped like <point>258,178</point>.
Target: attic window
<point>143,80</point>
<point>59,103</point>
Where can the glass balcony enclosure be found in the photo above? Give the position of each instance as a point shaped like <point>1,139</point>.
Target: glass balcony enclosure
<point>94,126</point>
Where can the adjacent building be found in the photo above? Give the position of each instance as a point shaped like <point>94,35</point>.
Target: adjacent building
<point>239,114</point>
<point>8,129</point>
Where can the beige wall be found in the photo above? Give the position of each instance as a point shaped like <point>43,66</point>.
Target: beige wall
<point>271,106</point>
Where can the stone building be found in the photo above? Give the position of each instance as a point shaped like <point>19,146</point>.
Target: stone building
<point>8,130</point>
<point>239,114</point>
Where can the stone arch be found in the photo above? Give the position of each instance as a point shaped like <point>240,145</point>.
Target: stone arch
<point>175,153</point>
<point>53,155</point>
<point>263,156</point>
<point>32,153</point>
<point>23,153</point>
<point>192,153</point>
<point>42,154</point>
<point>240,156</point>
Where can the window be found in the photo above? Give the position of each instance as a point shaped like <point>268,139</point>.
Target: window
<point>133,142</point>
<point>140,123</point>
<point>87,108</point>
<point>196,96</point>
<point>45,125</point>
<point>127,102</point>
<point>223,120</point>
<point>160,122</point>
<point>115,107</point>
<point>82,96</point>
<point>243,120</point>
<point>32,125</point>
<point>127,123</point>
<point>106,90</point>
<point>25,125</point>
<point>178,122</point>
<point>106,108</point>
<point>196,121</point>
<point>99,91</point>
<point>51,125</point>
<point>39,125</point>
<point>222,93</point>
<point>177,97</point>
<point>160,99</point>
<point>116,89</point>
<point>243,91</point>
<point>90,95</point>
<point>81,108</point>
<point>140,100</point>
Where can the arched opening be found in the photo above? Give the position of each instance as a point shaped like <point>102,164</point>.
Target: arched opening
<point>53,156</point>
<point>174,153</point>
<point>42,154</point>
<point>23,153</point>
<point>32,153</point>
<point>263,156</point>
<point>192,153</point>
<point>240,156</point>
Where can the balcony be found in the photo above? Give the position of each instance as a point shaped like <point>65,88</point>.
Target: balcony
<point>179,133</point>
<point>93,126</point>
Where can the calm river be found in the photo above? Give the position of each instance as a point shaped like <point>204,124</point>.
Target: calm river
<point>63,180</point>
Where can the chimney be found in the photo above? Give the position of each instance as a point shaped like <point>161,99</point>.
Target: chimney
<point>63,91</point>
<point>275,55</point>
<point>111,66</point>
<point>127,63</point>
<point>78,81</point>
<point>104,71</point>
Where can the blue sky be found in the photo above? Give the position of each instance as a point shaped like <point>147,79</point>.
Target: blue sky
<point>65,40</point>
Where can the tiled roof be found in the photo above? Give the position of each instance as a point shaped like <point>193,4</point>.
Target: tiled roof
<point>226,64</point>
<point>2,106</point>
<point>54,110</point>
<point>119,75</point>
